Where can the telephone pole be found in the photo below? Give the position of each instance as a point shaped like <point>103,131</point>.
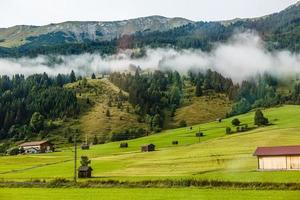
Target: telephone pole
<point>75,159</point>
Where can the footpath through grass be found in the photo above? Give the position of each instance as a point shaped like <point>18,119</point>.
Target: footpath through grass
<point>145,194</point>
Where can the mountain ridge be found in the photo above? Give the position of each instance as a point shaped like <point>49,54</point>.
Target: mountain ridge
<point>91,30</point>
<point>70,37</point>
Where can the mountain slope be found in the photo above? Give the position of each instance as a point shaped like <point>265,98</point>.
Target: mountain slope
<point>74,31</point>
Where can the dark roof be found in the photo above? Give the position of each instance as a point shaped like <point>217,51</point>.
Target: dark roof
<point>84,168</point>
<point>148,145</point>
<point>35,143</point>
<point>277,151</point>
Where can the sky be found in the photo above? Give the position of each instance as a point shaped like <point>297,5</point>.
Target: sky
<point>42,12</point>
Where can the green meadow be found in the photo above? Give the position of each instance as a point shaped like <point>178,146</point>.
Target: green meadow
<point>216,156</point>
<point>145,193</point>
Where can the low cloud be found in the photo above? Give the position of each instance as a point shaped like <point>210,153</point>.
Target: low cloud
<point>243,56</point>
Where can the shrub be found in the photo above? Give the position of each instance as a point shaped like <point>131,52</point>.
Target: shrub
<point>228,130</point>
<point>4,147</point>
<point>58,182</point>
<point>13,151</point>
<point>235,122</point>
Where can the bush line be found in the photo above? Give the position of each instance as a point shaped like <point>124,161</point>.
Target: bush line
<point>167,183</point>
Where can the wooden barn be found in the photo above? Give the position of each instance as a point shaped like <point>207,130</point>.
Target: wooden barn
<point>85,146</point>
<point>148,147</point>
<point>278,158</point>
<point>42,146</point>
<point>85,172</point>
<point>123,145</point>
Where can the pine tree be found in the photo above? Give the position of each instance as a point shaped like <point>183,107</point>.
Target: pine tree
<point>93,76</point>
<point>198,89</point>
<point>95,140</point>
<point>72,77</point>
<point>259,118</point>
<point>107,113</point>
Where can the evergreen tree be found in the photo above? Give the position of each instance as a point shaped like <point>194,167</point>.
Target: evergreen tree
<point>59,80</point>
<point>95,140</point>
<point>72,77</point>
<point>259,118</point>
<point>198,91</point>
<point>107,113</point>
<point>93,76</point>
<point>37,122</point>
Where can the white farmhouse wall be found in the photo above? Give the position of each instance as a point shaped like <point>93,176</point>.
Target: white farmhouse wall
<point>279,162</point>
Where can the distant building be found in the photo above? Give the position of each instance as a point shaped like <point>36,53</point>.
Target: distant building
<point>278,158</point>
<point>43,146</point>
<point>148,147</point>
<point>85,146</point>
<point>123,145</point>
<point>85,172</point>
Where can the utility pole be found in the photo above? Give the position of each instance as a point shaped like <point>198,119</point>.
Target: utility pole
<point>75,159</point>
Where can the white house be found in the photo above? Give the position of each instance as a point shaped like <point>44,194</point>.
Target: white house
<point>37,147</point>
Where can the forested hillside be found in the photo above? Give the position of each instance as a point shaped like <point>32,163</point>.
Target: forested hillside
<point>151,101</point>
<point>26,103</point>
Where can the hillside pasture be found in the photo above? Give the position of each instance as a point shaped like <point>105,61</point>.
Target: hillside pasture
<point>216,157</point>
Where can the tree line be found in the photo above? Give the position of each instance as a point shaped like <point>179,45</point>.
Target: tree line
<point>151,94</point>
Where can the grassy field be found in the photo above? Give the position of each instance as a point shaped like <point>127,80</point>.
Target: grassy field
<point>145,193</point>
<point>216,157</point>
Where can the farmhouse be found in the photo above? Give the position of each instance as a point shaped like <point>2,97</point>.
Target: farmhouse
<point>278,158</point>
<point>37,147</point>
<point>148,147</point>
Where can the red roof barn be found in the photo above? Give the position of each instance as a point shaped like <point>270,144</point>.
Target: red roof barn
<point>278,158</point>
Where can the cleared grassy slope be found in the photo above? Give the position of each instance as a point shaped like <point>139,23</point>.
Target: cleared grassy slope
<point>203,109</point>
<point>93,119</point>
<point>216,157</point>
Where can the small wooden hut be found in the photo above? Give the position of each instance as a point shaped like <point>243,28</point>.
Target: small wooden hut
<point>85,172</point>
<point>148,147</point>
<point>199,134</point>
<point>123,145</point>
<point>175,142</point>
<point>85,146</point>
